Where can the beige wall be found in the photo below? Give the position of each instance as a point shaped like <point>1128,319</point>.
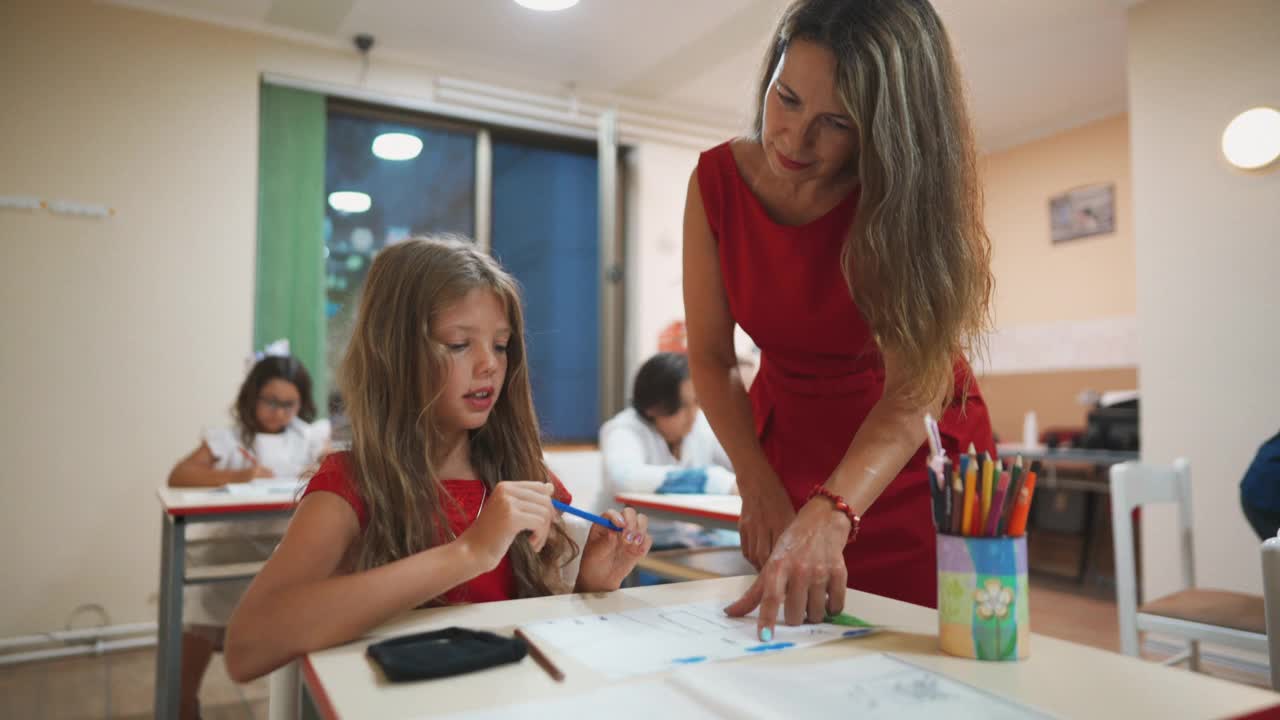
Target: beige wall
<point>1207,254</point>
<point>1051,394</point>
<point>658,181</point>
<point>1063,312</point>
<point>122,337</point>
<point>1038,281</point>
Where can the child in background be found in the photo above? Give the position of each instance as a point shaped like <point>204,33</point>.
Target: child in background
<point>273,436</point>
<point>444,496</point>
<point>663,444</point>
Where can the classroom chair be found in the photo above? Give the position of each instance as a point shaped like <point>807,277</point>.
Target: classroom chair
<point>1195,614</point>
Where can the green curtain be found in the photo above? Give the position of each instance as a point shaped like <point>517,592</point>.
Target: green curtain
<point>290,284</point>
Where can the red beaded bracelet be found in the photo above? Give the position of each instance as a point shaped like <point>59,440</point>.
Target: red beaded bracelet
<point>842,506</point>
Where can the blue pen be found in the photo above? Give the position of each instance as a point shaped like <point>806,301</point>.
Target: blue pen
<point>605,522</point>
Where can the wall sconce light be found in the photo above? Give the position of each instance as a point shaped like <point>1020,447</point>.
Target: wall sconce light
<point>1252,140</point>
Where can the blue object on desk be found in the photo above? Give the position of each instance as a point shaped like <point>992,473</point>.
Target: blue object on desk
<point>770,646</point>
<point>689,481</point>
<point>605,522</point>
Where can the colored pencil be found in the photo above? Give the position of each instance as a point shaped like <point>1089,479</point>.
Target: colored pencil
<point>957,503</point>
<point>989,473</point>
<point>945,517</point>
<point>997,504</point>
<point>935,498</point>
<point>970,483</point>
<point>1018,521</point>
<point>1017,476</point>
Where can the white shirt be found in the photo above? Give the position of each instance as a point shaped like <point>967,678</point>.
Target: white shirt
<point>638,459</point>
<point>287,454</point>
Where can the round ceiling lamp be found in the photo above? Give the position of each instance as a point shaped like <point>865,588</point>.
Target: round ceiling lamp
<point>397,146</point>
<point>350,202</point>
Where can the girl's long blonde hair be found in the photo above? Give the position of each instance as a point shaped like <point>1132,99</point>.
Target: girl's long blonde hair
<point>392,375</point>
<point>917,258</point>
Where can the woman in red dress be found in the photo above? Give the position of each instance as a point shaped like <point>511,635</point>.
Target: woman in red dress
<point>845,236</point>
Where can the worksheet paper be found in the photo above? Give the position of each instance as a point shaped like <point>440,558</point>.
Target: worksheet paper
<point>868,687</point>
<point>649,640</point>
<point>265,486</point>
<point>273,489</point>
<point>874,687</point>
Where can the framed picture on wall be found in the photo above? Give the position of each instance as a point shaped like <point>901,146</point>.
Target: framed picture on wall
<point>1083,212</point>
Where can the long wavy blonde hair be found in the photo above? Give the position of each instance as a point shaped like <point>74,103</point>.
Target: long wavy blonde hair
<point>392,375</point>
<point>917,259</point>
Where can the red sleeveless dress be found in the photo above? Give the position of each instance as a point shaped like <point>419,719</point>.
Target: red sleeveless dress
<point>336,476</point>
<point>821,373</point>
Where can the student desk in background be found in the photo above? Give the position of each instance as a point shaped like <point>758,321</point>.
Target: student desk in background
<point>1095,534</point>
<point>1051,458</point>
<point>181,507</point>
<point>711,511</point>
<point>1062,679</point>
<point>719,512</point>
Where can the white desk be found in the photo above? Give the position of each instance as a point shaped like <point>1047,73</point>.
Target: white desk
<point>179,508</point>
<point>713,511</point>
<point>1050,458</point>
<point>1061,678</point>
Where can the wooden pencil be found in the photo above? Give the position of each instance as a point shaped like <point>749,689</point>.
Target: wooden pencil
<point>946,496</point>
<point>990,472</point>
<point>540,657</point>
<point>997,501</point>
<point>957,503</point>
<point>970,492</point>
<point>1018,521</point>
<point>1017,476</point>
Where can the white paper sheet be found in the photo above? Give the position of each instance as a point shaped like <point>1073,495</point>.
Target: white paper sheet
<point>634,701</point>
<point>264,487</point>
<point>868,687</point>
<point>873,686</point>
<point>650,640</point>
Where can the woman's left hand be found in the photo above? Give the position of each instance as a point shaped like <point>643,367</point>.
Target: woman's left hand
<point>805,573</point>
<point>610,555</point>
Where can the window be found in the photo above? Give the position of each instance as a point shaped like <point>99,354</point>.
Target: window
<point>432,192</point>
<point>544,222</point>
<point>546,233</point>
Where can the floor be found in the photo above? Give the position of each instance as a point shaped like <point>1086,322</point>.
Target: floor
<point>1061,609</point>
<point>116,685</point>
<point>120,685</point>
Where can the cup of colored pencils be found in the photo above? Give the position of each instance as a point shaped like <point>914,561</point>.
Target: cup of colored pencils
<point>980,510</point>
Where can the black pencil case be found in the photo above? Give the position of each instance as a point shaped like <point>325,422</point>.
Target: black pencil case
<point>442,653</point>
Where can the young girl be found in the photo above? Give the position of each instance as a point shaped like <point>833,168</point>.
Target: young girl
<point>273,436</point>
<point>444,497</point>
